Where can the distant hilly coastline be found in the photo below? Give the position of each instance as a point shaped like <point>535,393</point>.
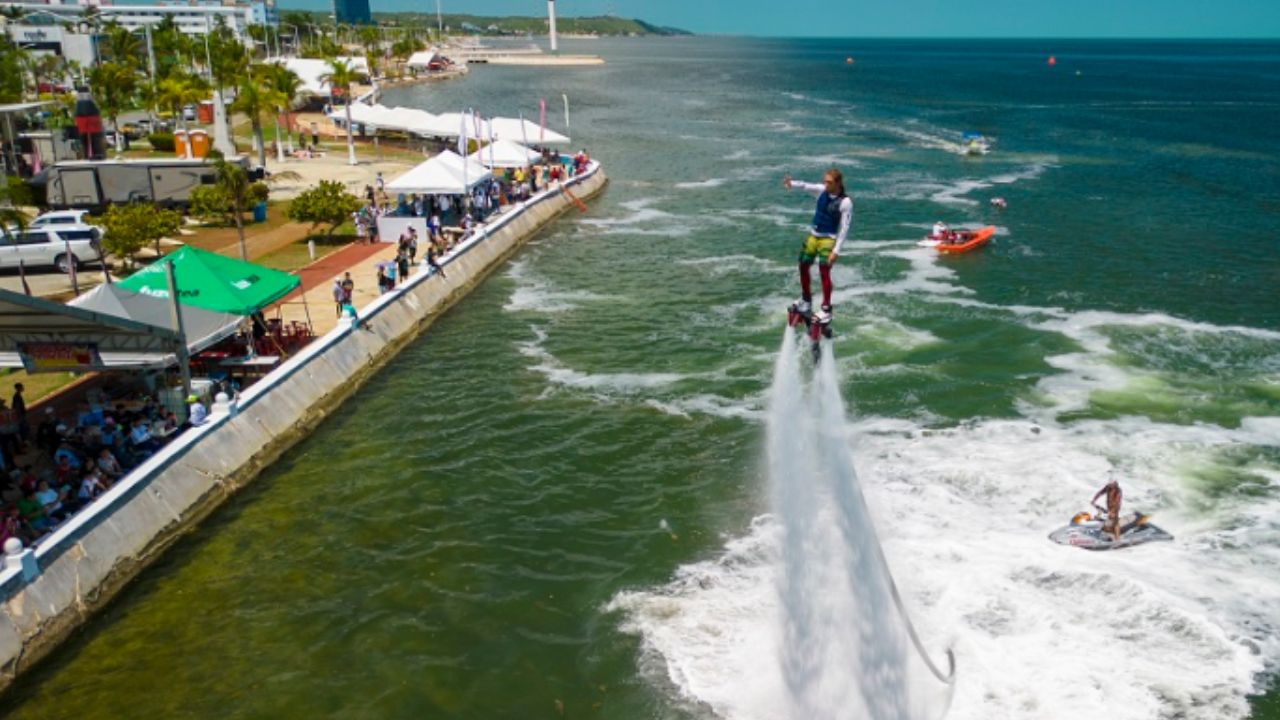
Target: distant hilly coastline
<point>605,26</point>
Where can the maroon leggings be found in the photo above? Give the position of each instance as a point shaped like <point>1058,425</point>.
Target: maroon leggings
<point>824,272</point>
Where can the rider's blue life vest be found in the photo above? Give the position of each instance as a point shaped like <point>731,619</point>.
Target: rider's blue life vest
<point>826,219</point>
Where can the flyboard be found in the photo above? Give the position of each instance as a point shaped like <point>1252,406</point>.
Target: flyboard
<point>1085,531</point>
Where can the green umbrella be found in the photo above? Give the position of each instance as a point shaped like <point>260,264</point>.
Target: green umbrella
<point>213,282</point>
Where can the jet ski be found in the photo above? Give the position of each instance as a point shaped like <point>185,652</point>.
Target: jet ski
<point>1085,531</point>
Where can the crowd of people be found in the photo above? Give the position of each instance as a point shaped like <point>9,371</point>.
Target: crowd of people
<point>57,465</point>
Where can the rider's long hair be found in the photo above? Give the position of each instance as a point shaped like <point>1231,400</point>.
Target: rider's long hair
<point>839,178</point>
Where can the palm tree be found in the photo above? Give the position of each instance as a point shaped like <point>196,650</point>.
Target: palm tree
<point>114,85</point>
<point>123,46</point>
<point>286,84</point>
<point>255,97</point>
<point>342,75</point>
<point>179,90</point>
<point>242,192</point>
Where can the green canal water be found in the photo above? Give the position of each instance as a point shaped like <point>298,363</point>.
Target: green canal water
<point>554,503</point>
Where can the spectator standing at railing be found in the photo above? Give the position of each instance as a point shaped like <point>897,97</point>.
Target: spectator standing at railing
<point>197,413</point>
<point>402,268</point>
<point>337,296</point>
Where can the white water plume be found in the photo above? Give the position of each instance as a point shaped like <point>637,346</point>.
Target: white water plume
<point>845,643</point>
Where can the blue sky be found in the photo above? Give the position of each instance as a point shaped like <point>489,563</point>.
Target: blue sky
<point>903,18</point>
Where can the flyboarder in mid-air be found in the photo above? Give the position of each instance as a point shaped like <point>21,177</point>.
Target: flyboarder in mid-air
<point>831,221</point>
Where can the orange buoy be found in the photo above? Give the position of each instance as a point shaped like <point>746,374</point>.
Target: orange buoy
<point>1052,61</point>
<point>848,61</point>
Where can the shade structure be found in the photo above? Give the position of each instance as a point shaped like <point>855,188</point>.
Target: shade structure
<point>525,131</point>
<point>441,175</point>
<point>421,59</point>
<point>202,327</point>
<point>505,154</point>
<point>213,282</point>
<point>120,342</point>
<point>476,126</point>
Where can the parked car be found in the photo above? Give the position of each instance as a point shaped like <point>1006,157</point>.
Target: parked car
<point>44,246</point>
<point>65,218</point>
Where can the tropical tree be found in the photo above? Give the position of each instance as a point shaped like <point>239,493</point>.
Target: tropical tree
<point>286,85</point>
<point>130,226</point>
<point>122,46</point>
<point>114,85</point>
<point>13,61</point>
<point>343,75</point>
<point>325,204</point>
<point>179,90</point>
<point>256,97</point>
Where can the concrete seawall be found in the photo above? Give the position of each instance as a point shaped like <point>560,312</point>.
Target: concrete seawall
<point>49,592</point>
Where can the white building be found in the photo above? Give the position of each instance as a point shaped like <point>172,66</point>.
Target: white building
<point>41,28</point>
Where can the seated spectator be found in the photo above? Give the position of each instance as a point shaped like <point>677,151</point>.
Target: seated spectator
<point>140,439</point>
<point>65,472</point>
<point>108,465</point>
<point>51,500</point>
<point>64,452</point>
<point>32,511</point>
<point>12,525</point>
<point>91,486</point>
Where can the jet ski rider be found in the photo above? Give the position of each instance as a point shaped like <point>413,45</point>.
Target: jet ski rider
<point>1114,496</point>
<point>831,221</point>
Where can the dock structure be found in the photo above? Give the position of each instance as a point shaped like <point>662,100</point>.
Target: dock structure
<point>49,591</point>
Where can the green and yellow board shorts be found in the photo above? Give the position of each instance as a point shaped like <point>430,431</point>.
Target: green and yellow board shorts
<point>816,247</point>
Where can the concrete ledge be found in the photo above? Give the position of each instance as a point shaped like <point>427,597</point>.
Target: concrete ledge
<point>89,559</point>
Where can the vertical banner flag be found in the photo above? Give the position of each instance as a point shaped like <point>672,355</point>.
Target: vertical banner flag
<point>71,266</point>
<point>542,120</point>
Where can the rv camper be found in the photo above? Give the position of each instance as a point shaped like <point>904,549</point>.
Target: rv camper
<point>93,185</point>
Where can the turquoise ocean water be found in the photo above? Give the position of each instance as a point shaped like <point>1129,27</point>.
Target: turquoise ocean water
<point>553,504</point>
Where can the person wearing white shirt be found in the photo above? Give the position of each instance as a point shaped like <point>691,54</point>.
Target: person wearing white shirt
<point>831,221</point>
<point>197,414</point>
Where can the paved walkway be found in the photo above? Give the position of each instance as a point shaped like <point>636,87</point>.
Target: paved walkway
<point>315,296</point>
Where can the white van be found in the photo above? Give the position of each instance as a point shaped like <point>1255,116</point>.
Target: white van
<point>45,246</point>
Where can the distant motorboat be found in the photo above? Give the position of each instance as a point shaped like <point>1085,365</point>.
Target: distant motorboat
<point>975,144</point>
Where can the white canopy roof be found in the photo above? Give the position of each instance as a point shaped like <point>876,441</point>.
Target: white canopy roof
<point>202,327</point>
<point>522,131</point>
<point>421,58</point>
<point>441,175</point>
<point>310,70</point>
<point>477,127</point>
<point>504,154</point>
<point>130,330</point>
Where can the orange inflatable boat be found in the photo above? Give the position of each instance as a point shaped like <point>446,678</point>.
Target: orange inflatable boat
<point>966,240</point>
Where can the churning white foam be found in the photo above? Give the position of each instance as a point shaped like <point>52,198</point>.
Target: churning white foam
<point>536,294</point>
<point>1041,630</point>
<point>708,183</point>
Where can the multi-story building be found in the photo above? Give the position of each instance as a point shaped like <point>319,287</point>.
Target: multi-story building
<point>54,26</point>
<point>352,12</point>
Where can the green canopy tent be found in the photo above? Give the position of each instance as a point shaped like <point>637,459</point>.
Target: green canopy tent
<point>213,282</point>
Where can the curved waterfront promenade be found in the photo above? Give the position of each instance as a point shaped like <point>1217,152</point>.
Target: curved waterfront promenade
<point>50,591</point>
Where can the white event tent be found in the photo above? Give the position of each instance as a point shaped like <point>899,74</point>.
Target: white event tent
<point>447,125</point>
<point>505,154</point>
<point>523,131</point>
<point>421,59</point>
<point>441,175</point>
